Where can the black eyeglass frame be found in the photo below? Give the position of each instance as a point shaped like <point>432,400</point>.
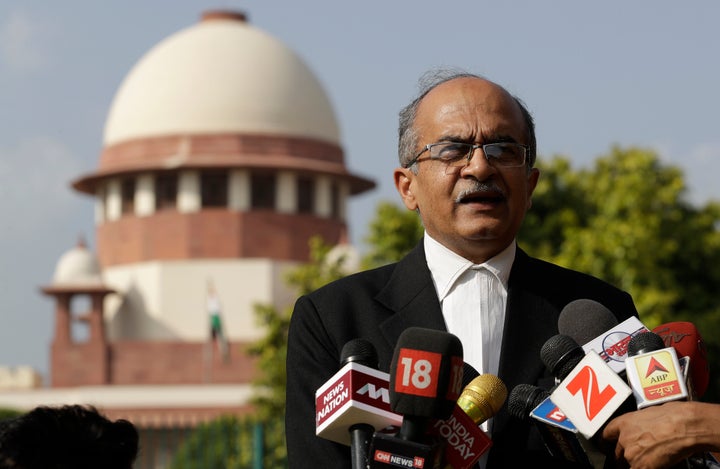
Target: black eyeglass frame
<point>471,151</point>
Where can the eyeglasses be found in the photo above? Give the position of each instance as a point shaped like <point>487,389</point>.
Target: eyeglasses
<point>456,154</point>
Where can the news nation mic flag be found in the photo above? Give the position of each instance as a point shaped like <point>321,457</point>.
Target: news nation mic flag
<point>356,393</point>
<point>590,394</point>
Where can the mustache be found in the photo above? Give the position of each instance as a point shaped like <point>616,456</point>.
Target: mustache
<point>478,188</point>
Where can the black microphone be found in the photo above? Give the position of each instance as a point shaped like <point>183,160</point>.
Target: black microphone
<point>595,327</point>
<point>653,371</point>
<point>591,392</point>
<point>426,375</point>
<point>355,401</point>
<point>560,354</point>
<point>360,351</point>
<point>559,435</point>
<point>585,319</point>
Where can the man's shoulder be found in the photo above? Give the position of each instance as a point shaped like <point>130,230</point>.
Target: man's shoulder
<point>372,281</point>
<point>560,285</point>
<point>365,281</point>
<point>542,270</point>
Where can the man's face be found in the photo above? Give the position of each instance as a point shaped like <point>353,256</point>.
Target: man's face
<point>474,220</point>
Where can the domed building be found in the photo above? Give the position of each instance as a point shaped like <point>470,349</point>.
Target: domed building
<point>221,158</point>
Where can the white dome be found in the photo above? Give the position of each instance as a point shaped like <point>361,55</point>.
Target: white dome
<point>220,76</point>
<point>77,267</point>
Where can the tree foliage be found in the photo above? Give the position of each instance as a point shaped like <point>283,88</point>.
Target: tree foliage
<point>229,442</point>
<point>627,220</point>
<point>392,233</point>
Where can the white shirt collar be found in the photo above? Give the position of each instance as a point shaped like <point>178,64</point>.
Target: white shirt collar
<point>446,266</point>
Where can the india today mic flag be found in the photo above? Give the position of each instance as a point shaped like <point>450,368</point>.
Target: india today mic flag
<point>356,393</point>
<point>590,394</point>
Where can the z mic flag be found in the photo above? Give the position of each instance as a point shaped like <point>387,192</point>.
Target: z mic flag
<point>590,394</point>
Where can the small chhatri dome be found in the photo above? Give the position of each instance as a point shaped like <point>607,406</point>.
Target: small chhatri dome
<point>221,75</point>
<point>77,267</point>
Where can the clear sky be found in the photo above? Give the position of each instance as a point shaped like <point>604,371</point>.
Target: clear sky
<point>593,74</point>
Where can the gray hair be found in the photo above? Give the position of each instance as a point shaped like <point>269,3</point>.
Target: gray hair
<point>407,135</point>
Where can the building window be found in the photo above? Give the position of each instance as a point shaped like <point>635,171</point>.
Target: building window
<point>335,201</point>
<point>166,187</point>
<point>127,196</point>
<point>214,188</point>
<point>263,190</point>
<point>305,194</point>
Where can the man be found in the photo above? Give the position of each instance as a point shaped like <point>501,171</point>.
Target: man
<point>467,149</point>
<point>217,334</point>
<point>69,436</point>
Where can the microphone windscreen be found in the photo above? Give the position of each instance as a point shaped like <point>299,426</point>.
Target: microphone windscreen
<point>360,351</point>
<point>560,354</point>
<point>426,373</point>
<point>644,342</point>
<point>685,338</point>
<point>585,319</point>
<point>524,398</point>
<point>483,397</point>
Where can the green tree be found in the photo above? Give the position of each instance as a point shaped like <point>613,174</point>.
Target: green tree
<point>228,442</point>
<point>392,233</point>
<point>6,414</point>
<point>627,220</point>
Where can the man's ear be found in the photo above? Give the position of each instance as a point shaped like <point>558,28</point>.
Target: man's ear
<point>532,184</point>
<point>404,183</point>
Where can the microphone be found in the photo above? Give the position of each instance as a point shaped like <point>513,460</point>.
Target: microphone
<point>585,319</point>
<point>363,352</point>
<point>560,354</point>
<point>483,397</point>
<point>686,340</point>
<point>465,442</point>
<point>653,371</point>
<point>558,434</point>
<point>595,327</point>
<point>354,400</point>
<point>426,375</point>
<point>591,391</point>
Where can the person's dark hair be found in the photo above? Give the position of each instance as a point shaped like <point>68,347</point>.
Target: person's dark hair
<point>407,137</point>
<point>70,436</point>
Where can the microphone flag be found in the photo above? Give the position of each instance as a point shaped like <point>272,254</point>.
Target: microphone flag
<point>590,394</point>
<point>356,393</point>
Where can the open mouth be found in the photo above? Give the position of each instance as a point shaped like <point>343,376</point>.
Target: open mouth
<point>481,198</point>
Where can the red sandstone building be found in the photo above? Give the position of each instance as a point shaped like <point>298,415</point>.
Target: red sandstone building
<point>221,158</point>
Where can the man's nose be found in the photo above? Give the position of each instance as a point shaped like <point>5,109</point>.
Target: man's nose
<point>478,164</point>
